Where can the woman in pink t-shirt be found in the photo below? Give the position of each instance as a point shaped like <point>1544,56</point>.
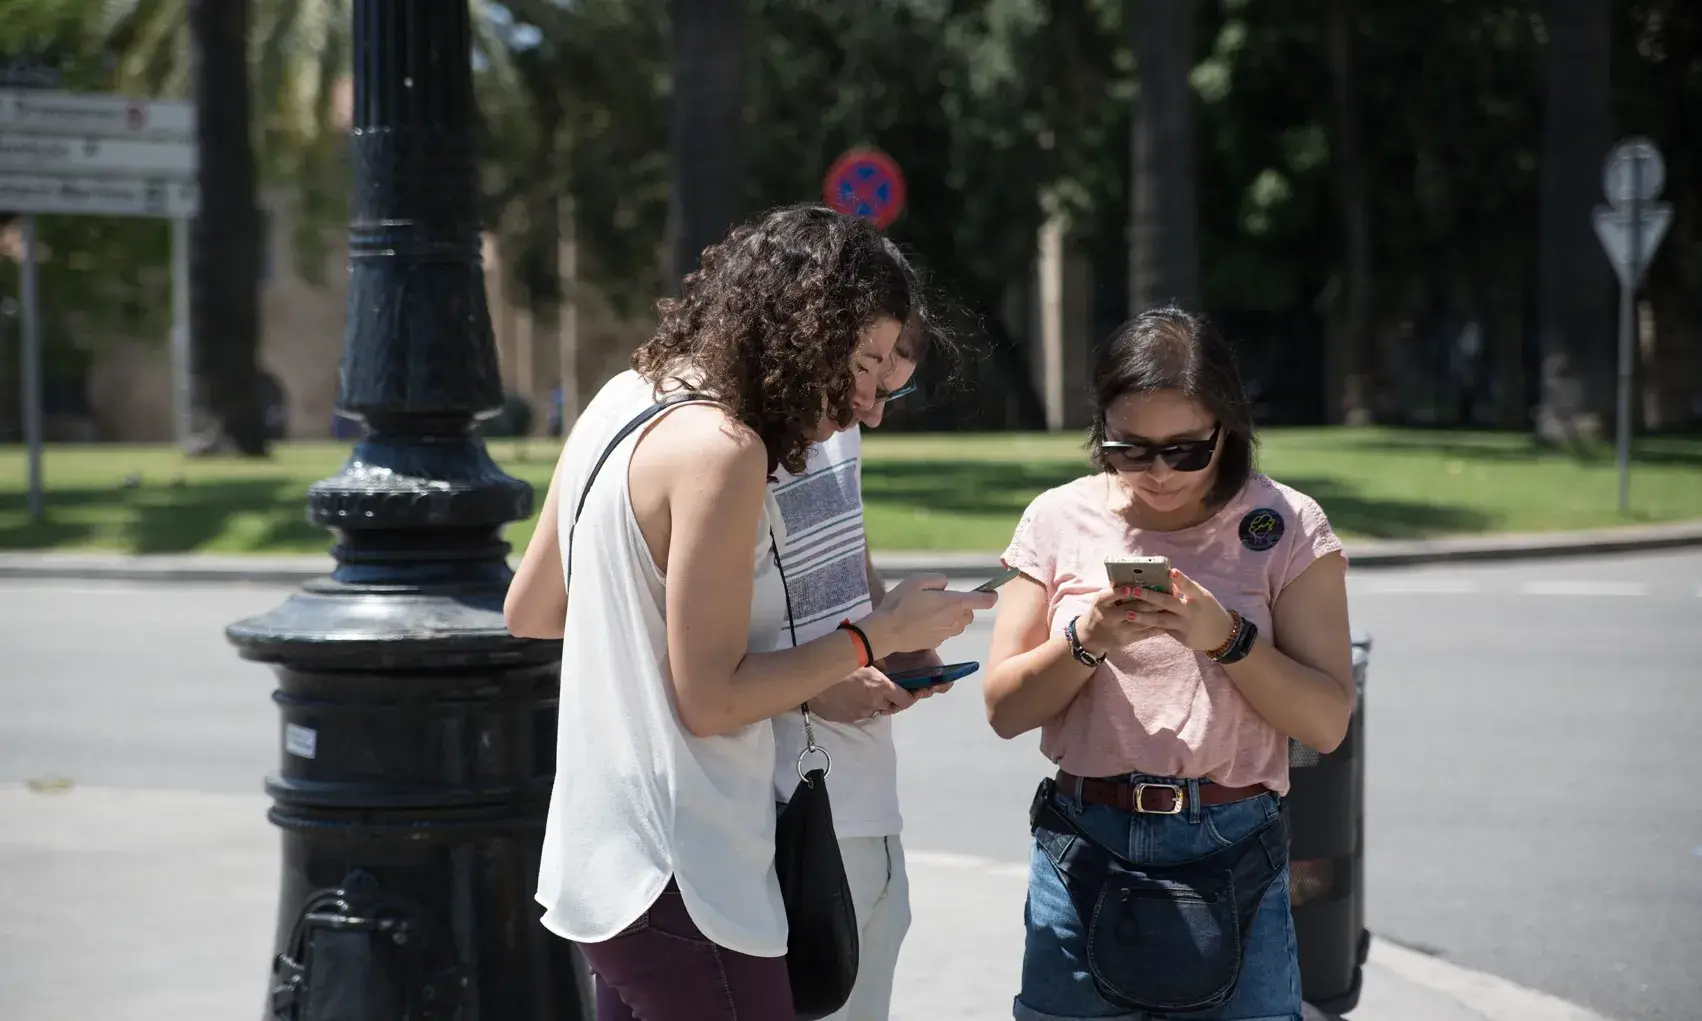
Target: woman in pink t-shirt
<point>1159,876</point>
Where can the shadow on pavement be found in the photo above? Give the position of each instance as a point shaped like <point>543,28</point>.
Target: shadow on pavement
<point>162,518</point>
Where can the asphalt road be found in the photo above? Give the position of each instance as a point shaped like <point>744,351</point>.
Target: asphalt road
<point>1532,735</point>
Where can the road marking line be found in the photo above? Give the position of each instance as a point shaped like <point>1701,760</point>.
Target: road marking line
<point>1418,586</point>
<point>1583,588</point>
<point>117,588</point>
<point>1492,996</point>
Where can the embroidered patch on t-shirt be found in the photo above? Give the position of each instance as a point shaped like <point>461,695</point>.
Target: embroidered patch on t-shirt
<point>1261,529</point>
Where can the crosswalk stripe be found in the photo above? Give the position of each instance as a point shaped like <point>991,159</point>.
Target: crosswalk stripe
<point>1420,586</point>
<point>1545,587</point>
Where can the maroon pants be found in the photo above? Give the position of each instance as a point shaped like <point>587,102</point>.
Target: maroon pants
<point>662,968</point>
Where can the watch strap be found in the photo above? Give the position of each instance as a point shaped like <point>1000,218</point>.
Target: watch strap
<point>1077,650</point>
<point>1240,642</point>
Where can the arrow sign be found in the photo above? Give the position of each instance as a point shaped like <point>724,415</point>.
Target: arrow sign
<point>94,196</point>
<point>1613,226</point>
<point>111,116</point>
<point>65,154</point>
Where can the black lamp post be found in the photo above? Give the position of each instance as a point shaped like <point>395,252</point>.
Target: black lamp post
<point>418,736</point>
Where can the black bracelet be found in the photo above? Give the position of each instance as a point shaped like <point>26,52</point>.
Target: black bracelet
<point>1079,651</point>
<point>863,639</point>
<point>1242,645</point>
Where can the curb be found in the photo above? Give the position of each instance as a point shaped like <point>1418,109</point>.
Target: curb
<point>1364,554</point>
<point>1378,553</point>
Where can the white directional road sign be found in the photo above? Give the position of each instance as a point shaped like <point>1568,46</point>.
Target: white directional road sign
<point>1614,227</point>
<point>1633,172</point>
<point>71,113</point>
<point>100,196</point>
<point>67,154</point>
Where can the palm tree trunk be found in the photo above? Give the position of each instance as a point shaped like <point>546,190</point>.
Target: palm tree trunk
<point>225,248</point>
<point>708,97</point>
<point>1163,237</point>
<point>1575,281</point>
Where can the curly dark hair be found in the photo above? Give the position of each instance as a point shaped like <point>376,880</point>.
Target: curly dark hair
<point>770,322</point>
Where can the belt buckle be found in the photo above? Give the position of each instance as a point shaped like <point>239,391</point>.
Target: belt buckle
<point>1176,805</point>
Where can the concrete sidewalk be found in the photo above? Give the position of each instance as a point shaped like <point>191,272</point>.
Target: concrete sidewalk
<point>1364,553</point>
<point>136,905</point>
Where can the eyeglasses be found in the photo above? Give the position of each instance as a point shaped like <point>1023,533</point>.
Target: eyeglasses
<point>903,391</point>
<point>1187,456</point>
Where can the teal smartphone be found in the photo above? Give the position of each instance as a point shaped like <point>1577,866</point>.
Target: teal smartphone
<point>996,580</point>
<point>928,676</point>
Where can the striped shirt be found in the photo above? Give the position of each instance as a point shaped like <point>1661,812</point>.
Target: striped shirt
<point>824,559</point>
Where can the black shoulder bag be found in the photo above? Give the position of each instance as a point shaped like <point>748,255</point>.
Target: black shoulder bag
<point>822,944</point>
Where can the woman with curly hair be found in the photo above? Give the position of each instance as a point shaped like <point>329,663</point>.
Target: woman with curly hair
<point>658,854</point>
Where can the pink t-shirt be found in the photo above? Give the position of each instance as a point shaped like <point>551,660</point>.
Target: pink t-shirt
<point>1155,706</point>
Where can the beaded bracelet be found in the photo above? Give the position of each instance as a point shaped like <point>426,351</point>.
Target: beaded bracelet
<point>1237,624</point>
<point>1240,641</point>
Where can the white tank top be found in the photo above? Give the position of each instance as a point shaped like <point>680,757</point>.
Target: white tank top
<point>637,799</point>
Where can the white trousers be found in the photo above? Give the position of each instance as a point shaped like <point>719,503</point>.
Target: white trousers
<point>880,892</point>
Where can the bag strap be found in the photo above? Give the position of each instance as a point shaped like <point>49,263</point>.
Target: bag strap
<point>774,549</point>
<point>638,421</point>
<point>810,746</point>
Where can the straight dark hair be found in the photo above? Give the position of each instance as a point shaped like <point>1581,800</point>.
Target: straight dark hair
<point>1168,348</point>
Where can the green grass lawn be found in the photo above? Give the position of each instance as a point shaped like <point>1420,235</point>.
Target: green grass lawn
<point>948,492</point>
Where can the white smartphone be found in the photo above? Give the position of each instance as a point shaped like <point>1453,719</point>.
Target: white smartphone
<point>1147,572</point>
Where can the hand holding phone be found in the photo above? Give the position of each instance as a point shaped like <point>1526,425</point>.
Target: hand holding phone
<point>1151,573</point>
<point>921,613</point>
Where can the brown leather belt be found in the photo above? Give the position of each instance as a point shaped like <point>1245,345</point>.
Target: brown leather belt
<point>1150,798</point>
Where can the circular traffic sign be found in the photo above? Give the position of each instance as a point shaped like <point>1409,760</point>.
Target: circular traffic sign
<point>865,183</point>
<point>1633,172</point>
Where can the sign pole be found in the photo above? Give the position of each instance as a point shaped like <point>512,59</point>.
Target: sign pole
<point>1630,227</point>
<point>96,155</point>
<point>1627,325</point>
<point>32,369</point>
<point>181,342</point>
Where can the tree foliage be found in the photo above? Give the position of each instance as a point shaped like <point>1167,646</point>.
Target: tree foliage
<point>1001,111</point>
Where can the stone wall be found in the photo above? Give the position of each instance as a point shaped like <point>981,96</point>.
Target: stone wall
<point>301,343</point>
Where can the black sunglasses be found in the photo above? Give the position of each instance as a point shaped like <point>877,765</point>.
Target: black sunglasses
<point>1187,456</point>
<point>903,391</point>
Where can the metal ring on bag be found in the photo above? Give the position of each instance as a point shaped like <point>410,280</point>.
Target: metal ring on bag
<point>806,754</point>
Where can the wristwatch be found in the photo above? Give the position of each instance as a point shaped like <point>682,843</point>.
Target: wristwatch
<point>1242,634</point>
<point>1081,654</point>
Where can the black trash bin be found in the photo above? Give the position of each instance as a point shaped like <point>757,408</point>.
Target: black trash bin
<point>1326,820</point>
